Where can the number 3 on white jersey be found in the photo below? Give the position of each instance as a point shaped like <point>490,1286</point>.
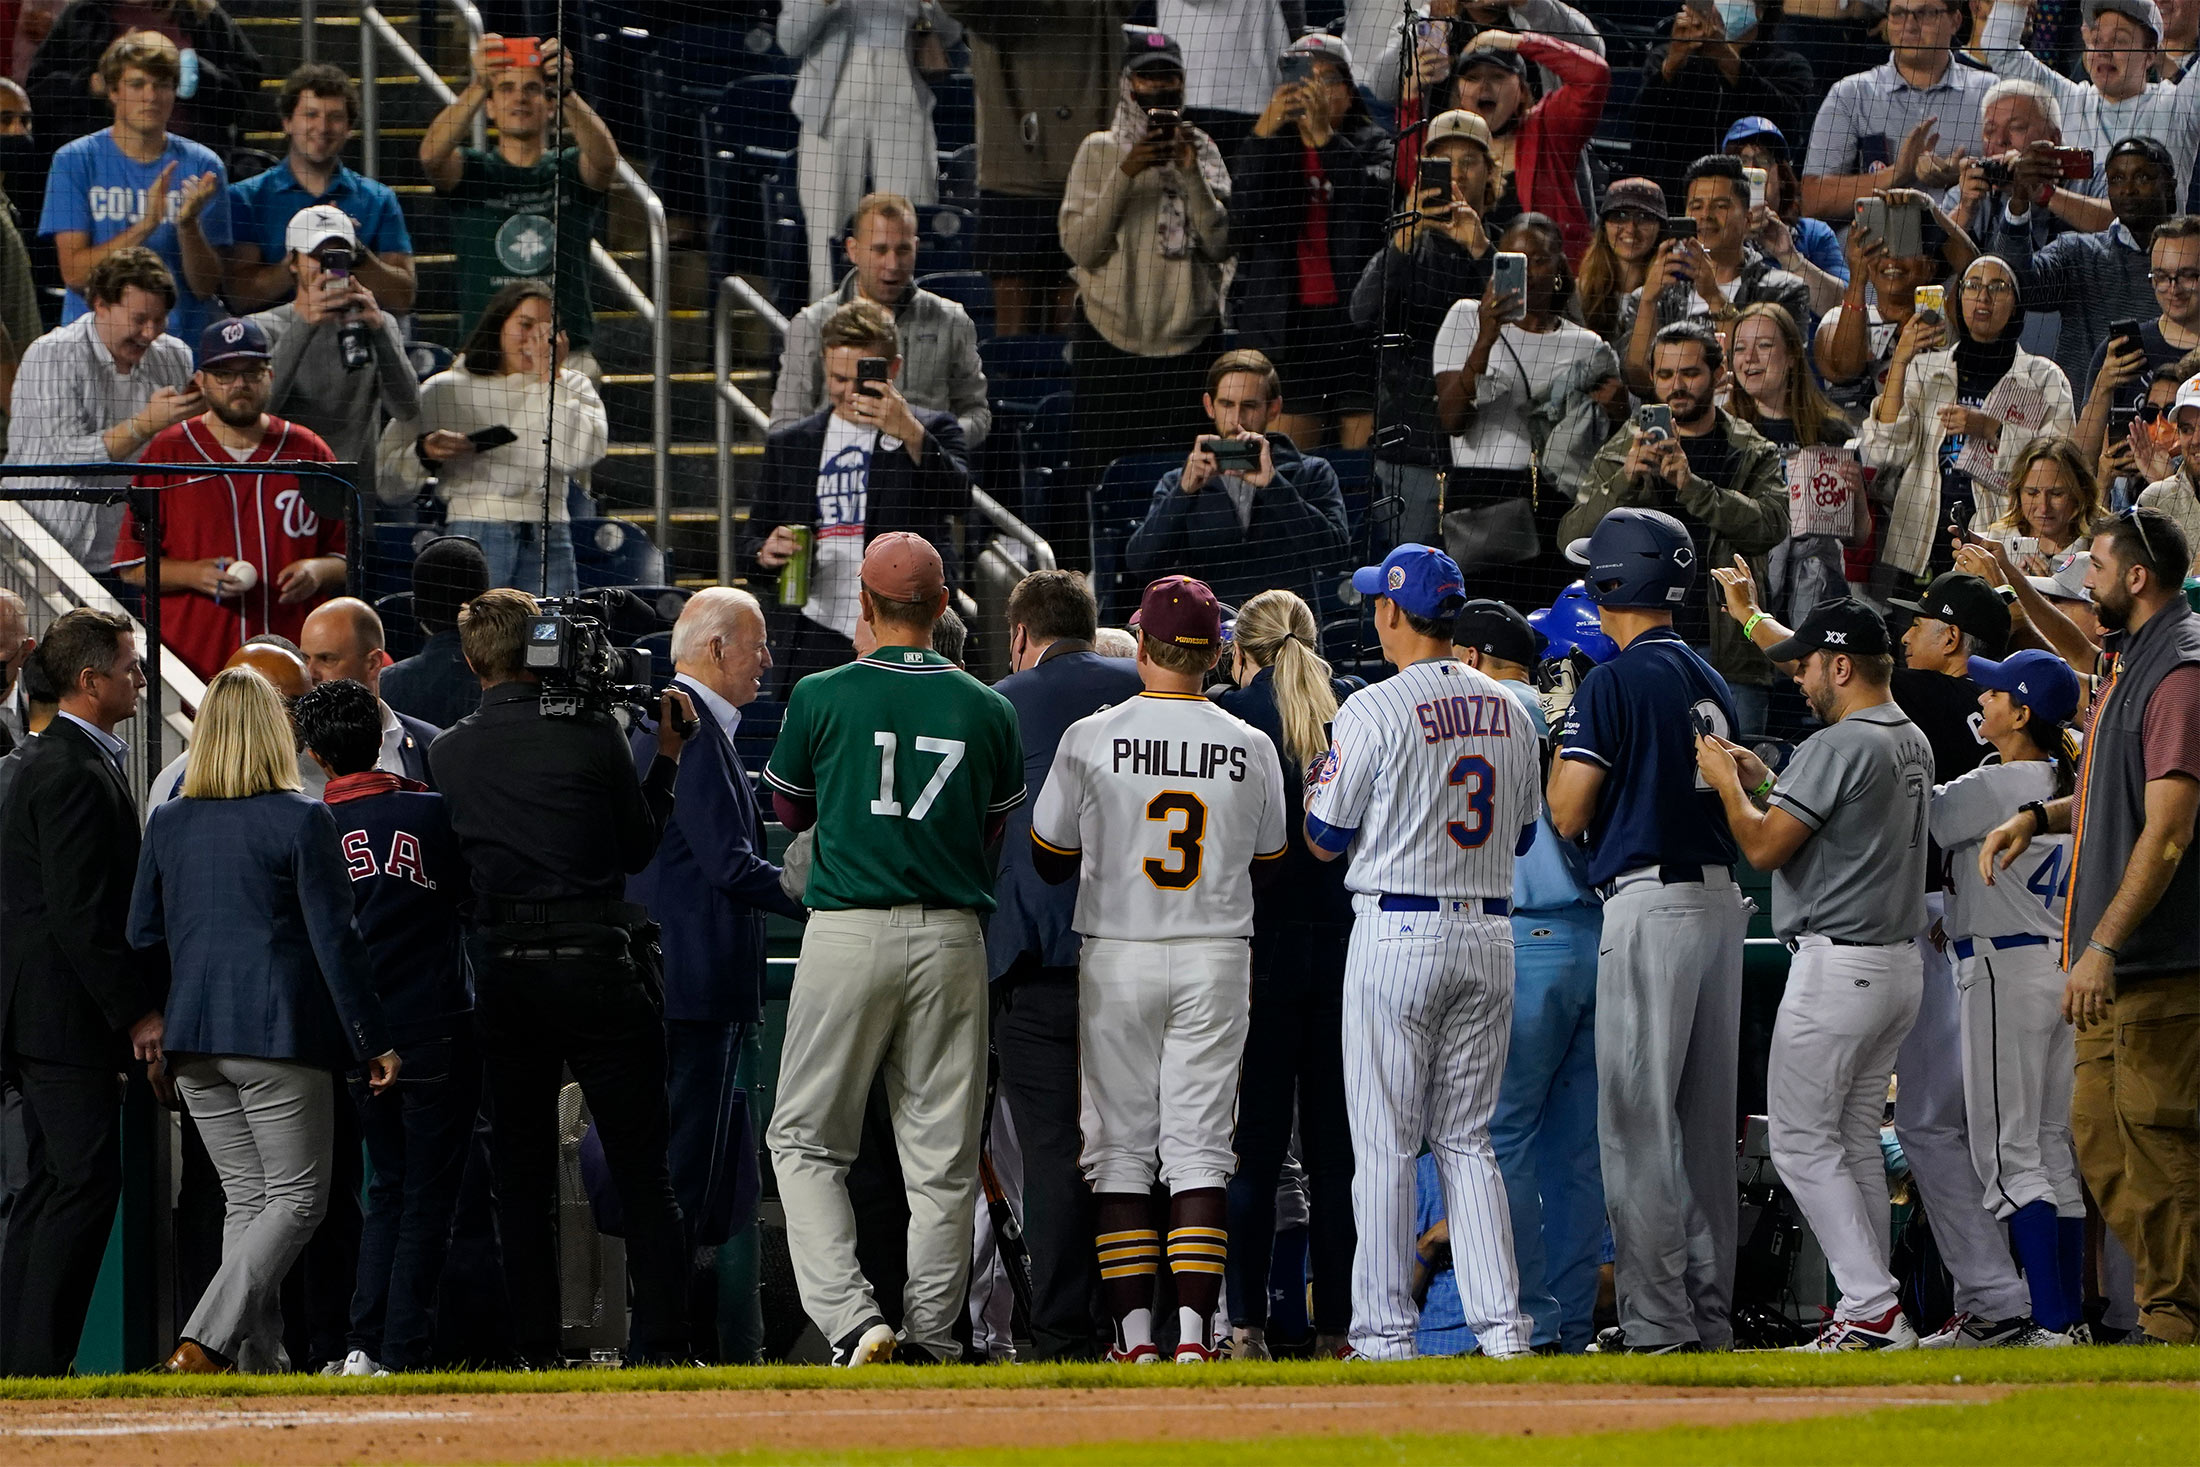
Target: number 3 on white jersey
<point>1474,772</point>
<point>887,743</point>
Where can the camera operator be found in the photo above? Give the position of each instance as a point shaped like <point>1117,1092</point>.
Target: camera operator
<point>552,819</point>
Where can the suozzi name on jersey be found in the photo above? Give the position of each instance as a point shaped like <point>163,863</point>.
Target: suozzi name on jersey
<point>1169,800</point>
<point>1437,773</point>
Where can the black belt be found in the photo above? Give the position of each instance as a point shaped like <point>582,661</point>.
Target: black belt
<point>1491,906</point>
<point>1793,943</point>
<point>596,911</point>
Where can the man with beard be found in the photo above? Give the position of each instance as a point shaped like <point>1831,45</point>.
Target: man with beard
<point>2130,945</point>
<point>241,554</point>
<point>1721,478</point>
<point>1842,830</point>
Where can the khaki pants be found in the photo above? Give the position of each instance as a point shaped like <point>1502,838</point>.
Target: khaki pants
<point>899,991</point>
<point>2135,1115</point>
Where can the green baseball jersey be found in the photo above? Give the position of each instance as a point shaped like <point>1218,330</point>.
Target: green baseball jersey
<point>908,759</point>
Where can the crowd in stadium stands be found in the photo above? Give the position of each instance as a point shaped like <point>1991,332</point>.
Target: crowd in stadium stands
<point>1893,304</point>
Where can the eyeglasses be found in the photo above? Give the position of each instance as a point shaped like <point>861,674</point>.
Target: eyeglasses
<point>230,378</point>
<point>1990,289</point>
<point>1920,16</point>
<point>2182,279</point>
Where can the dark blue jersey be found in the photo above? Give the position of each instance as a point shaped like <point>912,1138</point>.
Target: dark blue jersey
<point>1633,716</point>
<point>407,879</point>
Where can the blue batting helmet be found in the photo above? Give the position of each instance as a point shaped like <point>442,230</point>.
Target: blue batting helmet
<point>1640,559</point>
<point>1570,624</point>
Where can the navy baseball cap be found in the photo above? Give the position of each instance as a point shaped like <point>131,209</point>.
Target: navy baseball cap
<point>1844,625</point>
<point>1966,603</point>
<point>2038,680</point>
<point>1420,579</point>
<point>231,339</point>
<point>1496,629</point>
<point>1637,558</point>
<point>1753,127</point>
<point>1145,49</point>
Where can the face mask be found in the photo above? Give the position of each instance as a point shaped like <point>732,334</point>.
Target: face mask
<point>1739,16</point>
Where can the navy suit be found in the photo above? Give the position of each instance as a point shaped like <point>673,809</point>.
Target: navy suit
<point>1031,952</point>
<point>413,752</point>
<point>434,684</point>
<point>709,889</point>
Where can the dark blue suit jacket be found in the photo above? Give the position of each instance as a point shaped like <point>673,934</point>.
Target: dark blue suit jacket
<point>1071,682</point>
<point>419,733</point>
<point>252,899</point>
<point>434,684</point>
<point>709,886</point>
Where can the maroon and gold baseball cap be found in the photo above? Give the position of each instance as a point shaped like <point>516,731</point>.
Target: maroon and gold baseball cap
<point>903,567</point>
<point>1182,612</point>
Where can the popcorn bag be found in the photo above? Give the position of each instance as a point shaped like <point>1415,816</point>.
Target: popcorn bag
<point>1826,493</point>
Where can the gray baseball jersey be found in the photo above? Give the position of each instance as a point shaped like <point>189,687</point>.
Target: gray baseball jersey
<point>1864,787</point>
<point>2027,899</point>
<point>1171,800</point>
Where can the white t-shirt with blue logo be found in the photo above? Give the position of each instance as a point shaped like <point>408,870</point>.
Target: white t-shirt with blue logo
<point>97,190</point>
<point>843,494</point>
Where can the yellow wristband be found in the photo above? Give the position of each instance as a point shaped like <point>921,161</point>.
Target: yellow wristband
<point>1762,790</point>
<point>1749,628</point>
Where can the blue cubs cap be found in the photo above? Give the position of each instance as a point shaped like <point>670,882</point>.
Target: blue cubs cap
<point>231,339</point>
<point>1753,127</point>
<point>1420,579</point>
<point>2040,681</point>
<point>1638,559</point>
<point>1570,624</point>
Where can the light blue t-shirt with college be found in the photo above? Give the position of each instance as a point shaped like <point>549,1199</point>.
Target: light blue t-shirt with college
<point>95,189</point>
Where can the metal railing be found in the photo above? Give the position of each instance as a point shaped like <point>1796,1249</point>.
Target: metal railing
<point>654,307</point>
<point>728,402</point>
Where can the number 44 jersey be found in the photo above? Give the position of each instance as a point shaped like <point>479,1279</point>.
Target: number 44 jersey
<point>1169,800</point>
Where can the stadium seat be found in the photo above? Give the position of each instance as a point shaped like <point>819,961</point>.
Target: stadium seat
<point>954,113</point>
<point>760,110</point>
<point>959,177</point>
<point>950,237</point>
<point>609,552</point>
<point>1356,477</point>
<point>970,289</point>
<point>427,358</point>
<point>659,647</point>
<point>390,553</point>
<point>1116,507</point>
<point>1033,366</point>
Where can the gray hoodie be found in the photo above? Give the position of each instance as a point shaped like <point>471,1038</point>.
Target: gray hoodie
<point>313,390</point>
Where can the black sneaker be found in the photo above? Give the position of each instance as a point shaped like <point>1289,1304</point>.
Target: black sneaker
<point>869,1344</point>
<point>1613,1341</point>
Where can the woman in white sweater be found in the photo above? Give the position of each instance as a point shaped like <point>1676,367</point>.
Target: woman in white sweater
<point>1939,397</point>
<point>509,376</point>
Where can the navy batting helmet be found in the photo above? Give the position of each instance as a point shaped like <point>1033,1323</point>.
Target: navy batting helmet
<point>1640,559</point>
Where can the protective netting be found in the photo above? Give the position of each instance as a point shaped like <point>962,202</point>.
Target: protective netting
<point>1110,239</point>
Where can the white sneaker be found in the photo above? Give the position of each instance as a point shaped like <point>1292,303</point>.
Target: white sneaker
<point>359,1362</point>
<point>1965,1331</point>
<point>1842,1336</point>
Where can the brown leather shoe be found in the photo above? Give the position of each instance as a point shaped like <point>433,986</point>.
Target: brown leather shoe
<point>192,1359</point>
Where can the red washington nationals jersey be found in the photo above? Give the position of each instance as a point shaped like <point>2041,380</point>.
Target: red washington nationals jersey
<point>260,518</point>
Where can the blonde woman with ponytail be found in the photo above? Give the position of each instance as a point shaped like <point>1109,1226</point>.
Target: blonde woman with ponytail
<point>1302,920</point>
<point>2005,936</point>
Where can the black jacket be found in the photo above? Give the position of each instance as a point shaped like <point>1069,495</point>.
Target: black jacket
<point>227,102</point>
<point>70,984</point>
<point>904,495</point>
<point>1678,121</point>
<point>1301,889</point>
<point>1295,538</point>
<point>1269,204</point>
<point>1405,297</point>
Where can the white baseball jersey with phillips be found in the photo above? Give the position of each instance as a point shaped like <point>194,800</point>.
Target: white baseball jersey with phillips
<point>1438,770</point>
<point>1178,798</point>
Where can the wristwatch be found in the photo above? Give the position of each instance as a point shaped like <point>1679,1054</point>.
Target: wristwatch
<point>2038,811</point>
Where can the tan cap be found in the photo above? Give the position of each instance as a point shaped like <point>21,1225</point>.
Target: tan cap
<point>903,567</point>
<point>1458,123</point>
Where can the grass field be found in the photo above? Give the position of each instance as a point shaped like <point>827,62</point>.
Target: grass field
<point>2071,1408</point>
<point>1756,1370</point>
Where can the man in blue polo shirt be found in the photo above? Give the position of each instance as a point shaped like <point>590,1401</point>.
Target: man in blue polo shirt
<point>1669,969</point>
<point>136,183</point>
<point>320,106</point>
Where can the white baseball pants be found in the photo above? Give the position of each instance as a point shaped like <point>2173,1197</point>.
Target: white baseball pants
<point>1842,1019</point>
<point>2019,1062</point>
<point>1935,1128</point>
<point>1160,1035</point>
<point>1427,1019</point>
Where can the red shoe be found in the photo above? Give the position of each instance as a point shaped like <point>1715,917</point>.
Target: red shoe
<point>1191,1354</point>
<point>1146,1354</point>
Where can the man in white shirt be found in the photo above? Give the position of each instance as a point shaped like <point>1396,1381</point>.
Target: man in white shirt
<point>344,638</point>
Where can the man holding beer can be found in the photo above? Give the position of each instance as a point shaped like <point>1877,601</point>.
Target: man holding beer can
<point>866,465</point>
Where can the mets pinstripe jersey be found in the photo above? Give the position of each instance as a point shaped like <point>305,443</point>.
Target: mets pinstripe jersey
<point>1172,800</point>
<point>1437,771</point>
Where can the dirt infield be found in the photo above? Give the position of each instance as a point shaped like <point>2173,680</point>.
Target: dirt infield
<point>304,1431</point>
